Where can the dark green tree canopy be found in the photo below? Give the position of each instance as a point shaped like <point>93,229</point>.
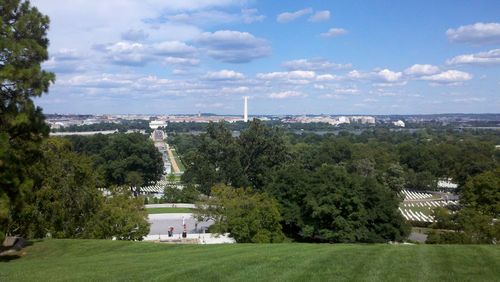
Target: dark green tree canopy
<point>124,159</point>
<point>250,217</point>
<point>23,47</point>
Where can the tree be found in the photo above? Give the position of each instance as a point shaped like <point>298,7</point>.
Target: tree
<point>467,226</point>
<point>262,149</point>
<point>384,222</point>
<point>332,205</point>
<point>475,223</point>
<point>124,159</point>
<point>66,203</point>
<point>249,217</point>
<point>216,160</point>
<point>120,216</point>
<point>23,47</point>
<point>482,193</point>
<point>173,194</point>
<point>64,195</point>
<point>395,178</point>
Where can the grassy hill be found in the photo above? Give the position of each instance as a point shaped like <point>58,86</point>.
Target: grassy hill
<point>58,260</point>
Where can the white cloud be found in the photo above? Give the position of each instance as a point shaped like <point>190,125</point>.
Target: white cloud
<point>293,77</point>
<point>448,77</point>
<point>67,55</point>
<point>290,16</point>
<point>138,54</point>
<point>388,75</point>
<point>181,61</point>
<point>315,64</point>
<point>126,53</point>
<point>334,32</point>
<point>478,33</point>
<point>234,46</point>
<point>134,35</point>
<point>384,76</point>
<point>355,74</point>
<point>83,24</point>
<point>236,90</point>
<point>224,75</point>
<point>481,58</point>
<point>417,70</point>
<point>347,90</point>
<point>332,96</point>
<point>66,61</point>
<point>179,72</point>
<point>327,77</point>
<point>173,48</point>
<point>320,16</point>
<point>251,15</point>
<point>469,100</point>
<point>286,94</point>
<point>209,105</point>
<point>213,17</point>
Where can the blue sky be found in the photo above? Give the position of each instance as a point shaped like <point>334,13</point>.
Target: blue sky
<point>289,57</point>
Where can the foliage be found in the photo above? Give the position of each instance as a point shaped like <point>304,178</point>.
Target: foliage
<point>121,216</point>
<point>482,193</point>
<point>334,187</point>
<point>217,160</point>
<point>124,159</point>
<point>23,47</point>
<point>250,217</point>
<point>467,226</point>
<point>64,196</point>
<point>121,126</point>
<point>477,222</point>
<point>332,205</point>
<point>262,149</point>
<point>240,162</point>
<point>65,201</point>
<point>188,194</point>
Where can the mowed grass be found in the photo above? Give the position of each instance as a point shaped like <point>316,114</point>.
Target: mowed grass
<point>99,260</point>
<point>180,164</point>
<point>168,210</point>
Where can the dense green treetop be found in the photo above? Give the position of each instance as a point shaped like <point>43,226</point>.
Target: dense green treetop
<point>482,193</point>
<point>66,203</point>
<point>248,216</point>
<point>124,159</point>
<point>23,47</point>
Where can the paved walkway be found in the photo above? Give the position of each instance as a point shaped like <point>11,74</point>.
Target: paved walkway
<point>160,223</point>
<point>170,205</point>
<point>175,167</point>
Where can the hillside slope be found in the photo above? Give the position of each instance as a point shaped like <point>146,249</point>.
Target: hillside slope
<point>58,260</point>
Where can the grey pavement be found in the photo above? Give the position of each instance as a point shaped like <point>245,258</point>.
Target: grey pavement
<point>160,223</point>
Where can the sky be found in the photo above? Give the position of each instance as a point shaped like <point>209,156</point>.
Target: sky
<point>288,57</point>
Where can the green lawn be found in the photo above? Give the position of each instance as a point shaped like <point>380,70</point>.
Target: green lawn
<point>99,260</point>
<point>168,210</point>
<point>182,168</point>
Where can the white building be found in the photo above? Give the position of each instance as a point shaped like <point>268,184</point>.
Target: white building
<point>399,123</point>
<point>446,184</point>
<point>154,124</point>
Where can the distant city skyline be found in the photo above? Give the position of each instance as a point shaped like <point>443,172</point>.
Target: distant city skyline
<point>288,57</point>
